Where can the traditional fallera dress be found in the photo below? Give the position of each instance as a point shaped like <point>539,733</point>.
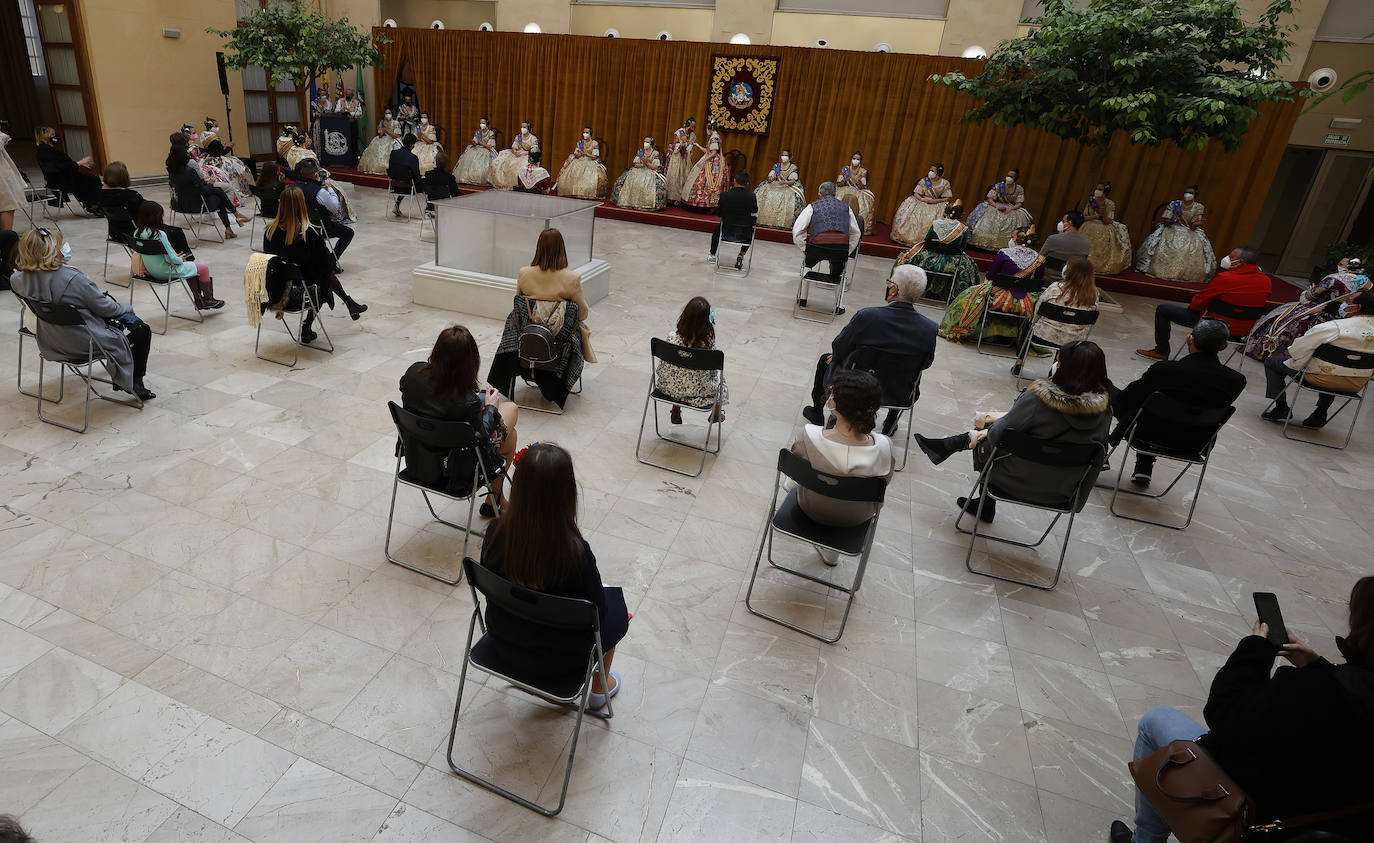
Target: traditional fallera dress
<point>583,176</point>
<point>780,197</point>
<point>914,216</point>
<point>378,152</point>
<point>475,162</point>
<point>642,186</point>
<point>963,314</point>
<point>853,181</point>
<point>1276,330</point>
<point>680,163</point>
<point>294,154</point>
<point>992,228</point>
<point>1111,241</point>
<point>229,173</point>
<point>696,387</point>
<point>533,179</point>
<point>708,178</point>
<point>427,147</point>
<point>1174,250</point>
<point>506,166</point>
<point>943,251</point>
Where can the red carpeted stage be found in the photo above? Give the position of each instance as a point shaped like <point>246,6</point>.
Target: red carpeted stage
<point>878,244</point>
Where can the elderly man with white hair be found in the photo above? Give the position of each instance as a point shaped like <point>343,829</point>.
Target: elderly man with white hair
<point>896,328</point>
<point>826,230</point>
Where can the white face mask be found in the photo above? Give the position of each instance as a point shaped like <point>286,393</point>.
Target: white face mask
<point>1054,368</point>
<point>586,135</point>
<point>784,158</point>
<point>715,147</point>
<point>1187,197</point>
<point>482,125</point>
<point>931,175</point>
<point>424,120</point>
<point>1011,244</point>
<point>1060,227</point>
<point>648,145</point>
<point>1010,179</point>
<point>388,115</point>
<point>1226,262</point>
<point>66,252</point>
<point>524,131</point>
<point>855,161</point>
<point>1099,193</point>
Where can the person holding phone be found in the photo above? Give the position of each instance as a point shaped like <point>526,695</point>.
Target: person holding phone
<point>445,387</point>
<point>1297,742</point>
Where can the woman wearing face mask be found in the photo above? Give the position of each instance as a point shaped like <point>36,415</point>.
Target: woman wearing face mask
<point>679,169</point>
<point>853,181</point>
<point>583,175</point>
<point>696,328</point>
<point>475,162</point>
<point>1019,260</point>
<point>506,166</point>
<point>1178,248</point>
<point>388,138</point>
<point>781,195</point>
<point>710,175</point>
<point>943,251</point>
<point>427,145</point>
<point>1274,332</point>
<point>997,217</point>
<point>642,186</point>
<point>1111,242</point>
<point>925,205</point>
<point>62,173</point>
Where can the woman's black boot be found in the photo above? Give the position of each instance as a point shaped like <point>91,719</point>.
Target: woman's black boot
<point>940,450</point>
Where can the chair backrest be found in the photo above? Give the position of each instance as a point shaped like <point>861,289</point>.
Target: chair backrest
<point>1248,313</point>
<point>836,486</point>
<point>1187,427</point>
<point>696,359</point>
<point>538,347</point>
<point>567,614</point>
<point>946,277</point>
<point>1016,285</point>
<point>144,246</point>
<point>1069,315</point>
<point>1053,264</point>
<point>436,190</point>
<point>65,315</point>
<point>1345,358</point>
<point>400,179</point>
<point>436,434</point>
<point>119,223</point>
<point>890,368</point>
<point>1049,452</point>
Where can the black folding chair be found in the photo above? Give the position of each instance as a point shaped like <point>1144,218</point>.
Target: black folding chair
<point>192,206</point>
<point>540,351</point>
<point>257,212</point>
<point>562,617</point>
<point>434,443</point>
<point>120,231</point>
<point>831,253</point>
<point>1024,286</point>
<point>1218,308</point>
<point>881,365</point>
<point>1167,428</point>
<point>47,197</point>
<point>696,360</point>
<point>309,302</point>
<point>738,240</point>
<point>57,197</point>
<point>1051,312</point>
<point>1362,361</point>
<point>154,248</point>
<point>1054,267</point>
<point>67,316</point>
<point>1045,452</point>
<point>399,183</point>
<point>787,518</point>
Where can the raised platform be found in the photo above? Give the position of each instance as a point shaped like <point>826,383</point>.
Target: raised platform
<point>878,244</point>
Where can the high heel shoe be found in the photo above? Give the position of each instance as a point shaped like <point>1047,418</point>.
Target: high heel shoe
<point>939,450</point>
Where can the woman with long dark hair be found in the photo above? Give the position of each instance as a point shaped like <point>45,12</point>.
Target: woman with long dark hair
<point>1071,407</point>
<point>269,188</point>
<point>536,543</point>
<point>696,328</point>
<point>190,188</point>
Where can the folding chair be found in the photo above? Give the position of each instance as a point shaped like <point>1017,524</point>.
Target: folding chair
<point>309,303</point>
<point>1011,284</point>
<point>947,278</point>
<point>1045,452</point>
<point>403,187</point>
<point>57,197</point>
<point>539,350</point>
<point>1218,308</point>
<point>881,364</point>
<point>1051,312</point>
<point>434,443</point>
<point>427,213</point>
<point>1170,429</point>
<point>693,359</point>
<point>120,230</point>
<point>257,212</point>
<point>47,197</point>
<point>67,316</point>
<point>807,277</point>
<point>190,207</point>
<point>789,520</point>
<point>560,616</point>
<point>1054,268</point>
<point>1362,361</point>
<point>735,237</point>
<point>152,248</point>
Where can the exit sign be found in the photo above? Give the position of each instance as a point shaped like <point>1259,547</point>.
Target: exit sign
<point>1337,140</point>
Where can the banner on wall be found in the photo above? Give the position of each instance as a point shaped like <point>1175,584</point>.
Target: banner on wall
<point>742,93</point>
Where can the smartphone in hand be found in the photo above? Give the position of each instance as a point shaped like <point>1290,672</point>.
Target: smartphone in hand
<point>1267,606</point>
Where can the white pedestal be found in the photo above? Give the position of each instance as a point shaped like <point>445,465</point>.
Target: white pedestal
<point>491,295</point>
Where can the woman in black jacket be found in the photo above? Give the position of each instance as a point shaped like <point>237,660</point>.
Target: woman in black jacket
<point>446,387</point>
<point>61,172</point>
<point>1297,742</point>
<point>291,236</point>
<point>190,188</point>
<point>117,193</point>
<point>268,189</point>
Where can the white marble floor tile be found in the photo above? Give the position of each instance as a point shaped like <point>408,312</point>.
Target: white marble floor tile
<point>219,771</point>
<point>132,729</point>
<point>312,803</point>
<point>55,689</point>
<point>707,803</point>
<point>408,824</point>
<point>863,777</point>
<point>35,764</point>
<point>97,804</point>
<point>758,740</point>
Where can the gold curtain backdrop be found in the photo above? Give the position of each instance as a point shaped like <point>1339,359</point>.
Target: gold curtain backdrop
<point>828,104</point>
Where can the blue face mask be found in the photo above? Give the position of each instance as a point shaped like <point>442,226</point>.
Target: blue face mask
<point>711,317</point>
<point>1344,310</point>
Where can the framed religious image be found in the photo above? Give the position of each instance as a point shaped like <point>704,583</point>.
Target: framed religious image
<point>742,93</point>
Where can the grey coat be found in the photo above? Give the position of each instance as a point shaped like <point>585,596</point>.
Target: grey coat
<point>67,285</point>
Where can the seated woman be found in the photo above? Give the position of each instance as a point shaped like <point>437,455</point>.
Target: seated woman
<point>549,279</point>
<point>439,183</point>
<point>506,166</point>
<point>643,186</point>
<point>291,236</point>
<point>190,189</point>
<point>72,177</point>
<point>378,153</point>
<point>226,172</point>
<point>533,177</point>
<point>943,251</point>
<point>1071,407</point>
<point>477,156</point>
<point>925,205</point>
<point>851,448</point>
<point>1001,213</point>
<point>1274,332</point>
<point>1289,773</point>
<point>445,387</point>
<point>1019,260</point>
<point>427,146</point>
<point>124,339</point>
<point>1178,248</point>
<point>269,189</point>
<point>536,544</point>
<point>781,196</point>
<point>1078,290</point>
<point>117,193</point>
<point>696,328</point>
<point>171,264</point>
<point>853,181</point>
<point>1111,242</point>
<point>583,175</point>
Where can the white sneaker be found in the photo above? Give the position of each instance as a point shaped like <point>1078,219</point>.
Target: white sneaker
<point>830,557</point>
<point>710,259</point>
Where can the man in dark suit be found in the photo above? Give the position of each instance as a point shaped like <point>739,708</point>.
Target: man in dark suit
<point>738,208</point>
<point>403,168</point>
<point>1199,378</point>
<point>895,327</point>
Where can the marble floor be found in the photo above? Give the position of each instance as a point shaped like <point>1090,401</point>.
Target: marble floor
<point>200,639</point>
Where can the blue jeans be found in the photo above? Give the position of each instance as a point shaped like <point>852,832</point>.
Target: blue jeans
<point>1160,726</point>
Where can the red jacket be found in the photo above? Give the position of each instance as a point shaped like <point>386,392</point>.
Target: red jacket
<point>1243,285</point>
